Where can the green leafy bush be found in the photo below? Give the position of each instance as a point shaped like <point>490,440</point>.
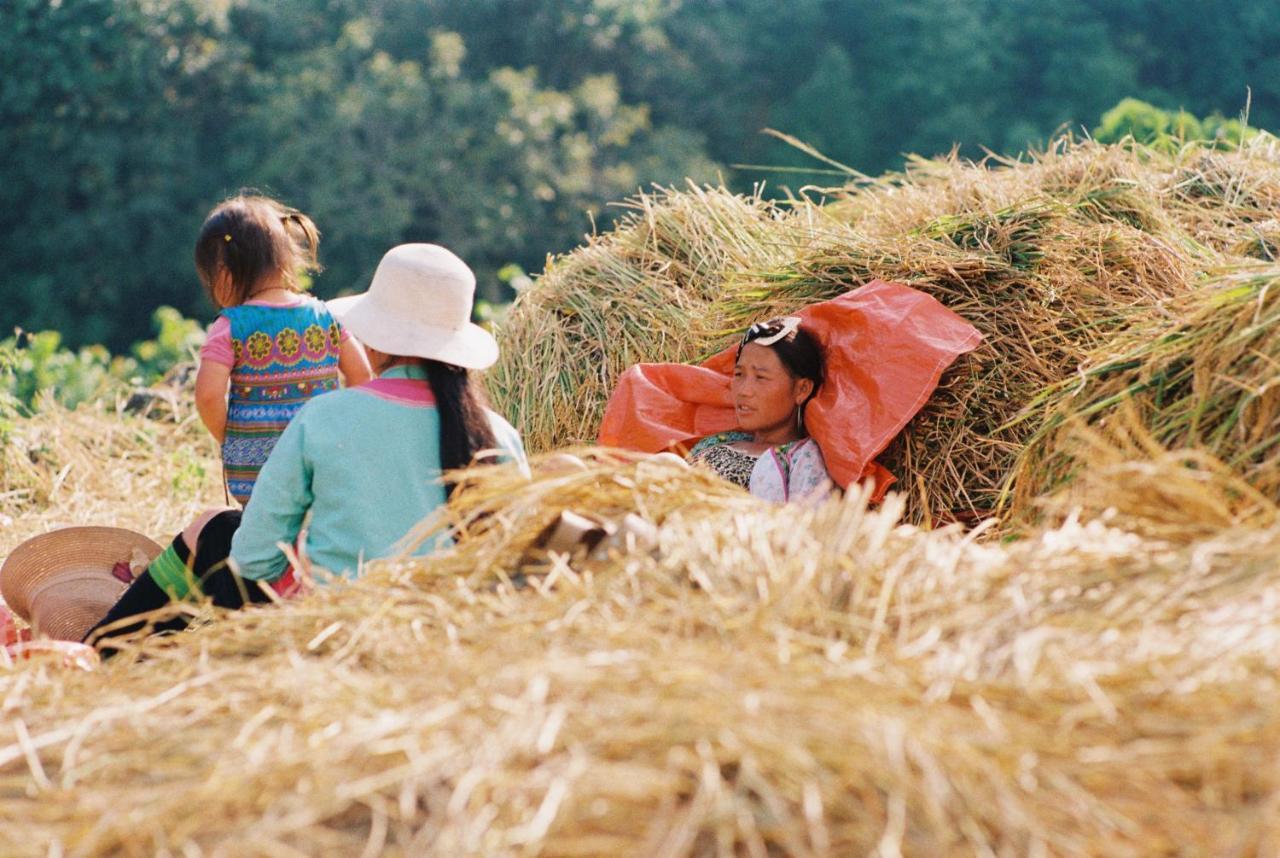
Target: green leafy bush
<point>33,364</point>
<point>40,364</point>
<point>177,339</point>
<point>1168,130</point>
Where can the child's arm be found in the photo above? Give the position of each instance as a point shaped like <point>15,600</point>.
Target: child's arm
<point>212,381</point>
<point>353,363</point>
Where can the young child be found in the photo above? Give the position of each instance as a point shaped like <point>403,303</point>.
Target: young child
<point>272,347</point>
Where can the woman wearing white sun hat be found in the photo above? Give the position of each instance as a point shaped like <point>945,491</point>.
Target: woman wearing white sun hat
<point>366,463</point>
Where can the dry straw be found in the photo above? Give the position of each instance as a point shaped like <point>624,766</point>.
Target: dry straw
<point>767,681</point>
<point>1126,477</point>
<point>1207,378</point>
<point>96,464</point>
<point>1051,257</point>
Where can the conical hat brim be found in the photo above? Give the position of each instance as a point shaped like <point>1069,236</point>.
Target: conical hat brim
<point>77,562</point>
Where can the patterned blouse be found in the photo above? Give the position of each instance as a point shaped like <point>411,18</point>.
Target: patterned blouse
<point>794,471</point>
<point>283,355</point>
<point>729,463</point>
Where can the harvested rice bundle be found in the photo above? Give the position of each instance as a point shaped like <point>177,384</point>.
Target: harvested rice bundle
<point>1224,193</point>
<point>771,679</point>
<point>1044,286</point>
<point>1205,379</point>
<point>1048,258</point>
<point>1085,253</point>
<point>1075,286</point>
<point>499,514</point>
<point>1117,183</point>
<point>1133,482</point>
<point>1258,240</point>
<point>648,290</point>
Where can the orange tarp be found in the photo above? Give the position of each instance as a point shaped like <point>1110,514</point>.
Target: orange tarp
<point>884,346</point>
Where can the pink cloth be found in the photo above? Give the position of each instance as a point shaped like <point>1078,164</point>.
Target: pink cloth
<point>792,472</point>
<point>405,391</point>
<point>217,343</point>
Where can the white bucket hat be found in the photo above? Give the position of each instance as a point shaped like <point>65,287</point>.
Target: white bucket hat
<point>419,305</point>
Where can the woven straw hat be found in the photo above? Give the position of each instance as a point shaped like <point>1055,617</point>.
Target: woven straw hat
<point>62,582</point>
<point>419,305</point>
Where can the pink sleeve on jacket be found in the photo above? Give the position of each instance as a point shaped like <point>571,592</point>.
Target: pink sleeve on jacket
<point>217,345</point>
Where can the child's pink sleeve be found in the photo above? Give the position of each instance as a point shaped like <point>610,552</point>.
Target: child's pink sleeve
<point>217,345</point>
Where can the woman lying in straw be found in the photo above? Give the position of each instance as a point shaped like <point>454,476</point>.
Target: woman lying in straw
<point>777,370</point>
<point>803,404</point>
<point>365,463</point>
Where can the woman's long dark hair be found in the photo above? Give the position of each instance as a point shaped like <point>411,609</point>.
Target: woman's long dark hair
<point>464,422</point>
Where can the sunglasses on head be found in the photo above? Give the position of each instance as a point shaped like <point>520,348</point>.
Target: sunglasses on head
<point>770,332</point>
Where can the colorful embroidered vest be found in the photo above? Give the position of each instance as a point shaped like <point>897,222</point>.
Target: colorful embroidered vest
<point>283,357</point>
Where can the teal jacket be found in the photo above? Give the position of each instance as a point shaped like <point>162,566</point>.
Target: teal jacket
<point>364,464</point>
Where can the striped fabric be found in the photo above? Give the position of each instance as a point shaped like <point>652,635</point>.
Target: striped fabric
<point>283,357</point>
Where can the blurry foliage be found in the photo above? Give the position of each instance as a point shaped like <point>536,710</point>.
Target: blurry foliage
<point>503,128</point>
<point>32,363</point>
<point>177,339</point>
<point>499,165</point>
<point>9,405</point>
<point>103,109</point>
<point>1168,130</point>
<point>71,375</point>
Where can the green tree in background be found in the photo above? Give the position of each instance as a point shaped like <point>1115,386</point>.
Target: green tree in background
<point>103,174</point>
<point>384,149</point>
<point>503,128</point>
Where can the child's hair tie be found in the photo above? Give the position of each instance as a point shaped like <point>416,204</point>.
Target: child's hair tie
<point>226,236</point>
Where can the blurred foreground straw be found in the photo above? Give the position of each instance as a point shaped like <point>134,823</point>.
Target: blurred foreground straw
<point>768,680</point>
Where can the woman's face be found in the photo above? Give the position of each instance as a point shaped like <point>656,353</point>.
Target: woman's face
<point>765,394</point>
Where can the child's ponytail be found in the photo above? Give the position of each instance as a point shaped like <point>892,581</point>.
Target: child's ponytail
<point>250,237</point>
<point>464,424</point>
<point>305,241</point>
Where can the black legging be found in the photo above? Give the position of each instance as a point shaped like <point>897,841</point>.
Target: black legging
<point>217,582</point>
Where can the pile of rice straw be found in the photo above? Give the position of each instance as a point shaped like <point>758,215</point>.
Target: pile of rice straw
<point>1102,680</point>
<point>1051,258</point>
<point>1206,377</point>
<point>95,463</point>
<point>767,681</point>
